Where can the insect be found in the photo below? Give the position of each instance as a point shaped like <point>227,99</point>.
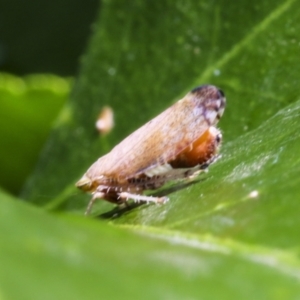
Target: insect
<point>179,143</point>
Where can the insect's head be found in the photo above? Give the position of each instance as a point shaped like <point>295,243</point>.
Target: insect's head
<point>211,98</point>
<point>85,183</point>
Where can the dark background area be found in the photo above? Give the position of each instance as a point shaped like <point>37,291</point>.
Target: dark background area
<point>44,36</point>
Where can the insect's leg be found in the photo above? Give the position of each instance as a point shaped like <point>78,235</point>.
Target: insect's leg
<point>96,196</point>
<point>138,198</point>
<point>203,167</point>
<point>211,161</point>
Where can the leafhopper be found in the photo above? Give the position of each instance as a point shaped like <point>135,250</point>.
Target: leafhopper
<point>179,143</point>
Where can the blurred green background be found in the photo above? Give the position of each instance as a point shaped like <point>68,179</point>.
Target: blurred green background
<point>43,36</point>
<point>36,37</point>
<point>234,232</point>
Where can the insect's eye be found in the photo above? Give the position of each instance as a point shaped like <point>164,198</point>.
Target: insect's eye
<point>222,93</point>
<point>219,138</point>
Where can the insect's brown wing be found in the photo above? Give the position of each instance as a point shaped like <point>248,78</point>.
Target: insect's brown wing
<point>162,138</point>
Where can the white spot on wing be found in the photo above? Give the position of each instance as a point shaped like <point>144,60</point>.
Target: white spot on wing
<point>159,170</point>
<point>221,111</point>
<point>214,131</point>
<point>211,116</point>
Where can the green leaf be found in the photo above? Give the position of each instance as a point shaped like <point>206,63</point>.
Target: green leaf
<point>68,257</point>
<point>29,107</point>
<point>232,233</point>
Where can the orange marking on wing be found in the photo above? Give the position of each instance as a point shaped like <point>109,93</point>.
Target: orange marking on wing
<point>200,151</point>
